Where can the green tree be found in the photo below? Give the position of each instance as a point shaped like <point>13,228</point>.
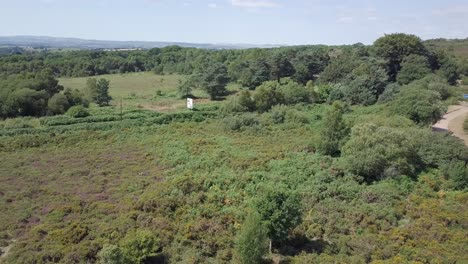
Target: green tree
<point>280,66</point>
<point>98,91</point>
<point>252,241</point>
<point>77,111</point>
<point>139,245</point>
<point>254,74</point>
<point>214,80</point>
<point>242,102</point>
<point>378,152</point>
<point>76,97</point>
<point>111,254</point>
<point>267,95</point>
<point>185,89</point>
<point>395,47</point>
<point>307,64</point>
<point>413,67</point>
<point>334,131</point>
<point>294,93</point>
<point>422,106</point>
<point>280,210</point>
<point>58,104</point>
<point>450,70</point>
<point>340,67</point>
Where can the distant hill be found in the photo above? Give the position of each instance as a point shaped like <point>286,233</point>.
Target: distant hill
<point>76,43</point>
<point>459,47</point>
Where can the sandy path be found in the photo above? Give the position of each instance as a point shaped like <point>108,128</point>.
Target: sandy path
<point>453,121</point>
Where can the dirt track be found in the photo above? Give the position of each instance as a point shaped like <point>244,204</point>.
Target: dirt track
<point>453,121</point>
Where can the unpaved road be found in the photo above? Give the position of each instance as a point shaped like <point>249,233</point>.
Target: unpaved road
<point>453,121</point>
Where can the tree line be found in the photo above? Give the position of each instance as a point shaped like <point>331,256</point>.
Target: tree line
<point>356,74</point>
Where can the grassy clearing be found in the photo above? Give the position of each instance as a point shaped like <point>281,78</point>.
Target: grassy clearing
<point>142,90</point>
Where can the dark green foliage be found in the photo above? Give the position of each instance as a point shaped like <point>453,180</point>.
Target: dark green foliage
<point>252,241</point>
<point>214,80</point>
<point>242,102</point>
<point>267,95</point>
<point>280,210</point>
<point>280,114</point>
<point>321,91</point>
<point>413,67</point>
<point>27,95</point>
<point>450,70</point>
<point>280,66</point>
<point>356,92</point>
<point>308,64</point>
<point>77,111</point>
<point>111,254</point>
<point>294,93</point>
<point>76,97</point>
<point>362,86</point>
<point>334,131</point>
<point>139,245</point>
<point>422,106</point>
<point>389,93</point>
<point>98,91</point>
<point>395,47</point>
<point>241,122</point>
<point>254,73</point>
<point>457,172</point>
<point>58,104</point>
<point>339,67</point>
<point>185,89</point>
<point>379,152</point>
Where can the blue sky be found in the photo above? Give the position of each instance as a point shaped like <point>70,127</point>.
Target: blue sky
<point>235,21</point>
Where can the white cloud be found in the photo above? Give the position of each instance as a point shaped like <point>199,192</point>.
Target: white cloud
<point>212,5</point>
<point>254,3</point>
<point>345,19</point>
<point>451,11</point>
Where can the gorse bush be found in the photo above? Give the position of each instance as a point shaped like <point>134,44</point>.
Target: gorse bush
<point>240,122</point>
<point>422,106</point>
<point>77,111</point>
<point>379,152</point>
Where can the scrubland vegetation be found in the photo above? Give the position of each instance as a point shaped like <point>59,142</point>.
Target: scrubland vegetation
<point>308,154</point>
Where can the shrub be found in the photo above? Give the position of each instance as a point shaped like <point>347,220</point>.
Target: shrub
<point>390,92</point>
<point>238,123</point>
<point>139,245</point>
<point>457,172</point>
<point>379,152</point>
<point>58,104</point>
<point>252,241</point>
<point>334,132</point>
<point>267,95</point>
<point>280,210</point>
<point>422,106</point>
<point>294,93</point>
<point>413,67</point>
<point>242,102</point>
<point>111,254</point>
<point>77,111</point>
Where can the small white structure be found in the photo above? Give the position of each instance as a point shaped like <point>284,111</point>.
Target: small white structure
<point>190,103</point>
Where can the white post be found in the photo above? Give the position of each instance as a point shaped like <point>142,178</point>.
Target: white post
<point>190,103</point>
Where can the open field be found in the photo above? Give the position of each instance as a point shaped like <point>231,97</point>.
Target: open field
<point>141,90</point>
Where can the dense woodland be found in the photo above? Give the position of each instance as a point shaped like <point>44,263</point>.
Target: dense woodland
<point>324,155</point>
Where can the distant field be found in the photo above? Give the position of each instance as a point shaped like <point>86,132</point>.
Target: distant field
<point>141,90</point>
<point>458,47</point>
